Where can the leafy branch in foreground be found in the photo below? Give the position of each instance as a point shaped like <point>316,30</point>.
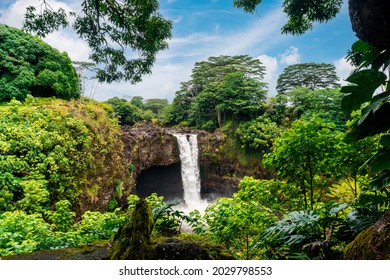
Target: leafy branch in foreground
<point>116,31</point>
<point>301,14</point>
<point>361,94</point>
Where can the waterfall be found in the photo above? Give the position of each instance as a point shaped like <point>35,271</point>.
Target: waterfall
<point>188,147</point>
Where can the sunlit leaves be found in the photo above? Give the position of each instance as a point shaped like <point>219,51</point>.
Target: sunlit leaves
<point>29,66</point>
<point>49,150</point>
<point>305,155</point>
<point>258,134</point>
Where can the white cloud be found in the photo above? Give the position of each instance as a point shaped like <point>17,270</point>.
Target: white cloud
<point>174,65</point>
<point>163,83</point>
<point>262,34</point>
<point>63,40</point>
<point>273,69</point>
<point>271,66</point>
<point>68,42</point>
<point>291,56</point>
<point>343,69</point>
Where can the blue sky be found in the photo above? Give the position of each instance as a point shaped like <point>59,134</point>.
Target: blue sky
<point>204,28</point>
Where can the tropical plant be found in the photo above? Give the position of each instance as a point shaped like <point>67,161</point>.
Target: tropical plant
<point>310,234</point>
<point>222,88</point>
<point>304,155</point>
<point>258,134</point>
<point>238,222</point>
<point>24,233</point>
<point>375,107</point>
<point>167,220</point>
<point>127,113</point>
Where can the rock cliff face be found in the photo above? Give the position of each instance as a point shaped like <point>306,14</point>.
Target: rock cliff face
<point>152,156</point>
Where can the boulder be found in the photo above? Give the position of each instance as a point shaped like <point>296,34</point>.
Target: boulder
<point>133,240</point>
<point>370,21</point>
<point>372,243</point>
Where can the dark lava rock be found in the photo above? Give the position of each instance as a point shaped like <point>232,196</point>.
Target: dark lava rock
<point>370,21</point>
<point>90,252</point>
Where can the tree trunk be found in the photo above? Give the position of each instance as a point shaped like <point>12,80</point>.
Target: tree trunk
<point>371,21</point>
<point>219,118</point>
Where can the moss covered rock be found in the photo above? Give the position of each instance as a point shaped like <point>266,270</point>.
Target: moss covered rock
<point>177,249</point>
<point>88,252</point>
<point>133,240</point>
<point>371,244</point>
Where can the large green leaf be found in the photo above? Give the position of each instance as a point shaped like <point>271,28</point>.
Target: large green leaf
<point>381,160</point>
<point>381,181</point>
<point>375,121</point>
<point>365,83</point>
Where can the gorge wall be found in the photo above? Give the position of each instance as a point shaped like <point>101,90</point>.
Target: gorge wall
<point>152,157</point>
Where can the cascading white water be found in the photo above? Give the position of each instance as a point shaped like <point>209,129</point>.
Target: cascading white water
<point>188,147</point>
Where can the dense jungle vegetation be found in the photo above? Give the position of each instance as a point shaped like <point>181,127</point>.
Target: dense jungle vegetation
<point>326,145</point>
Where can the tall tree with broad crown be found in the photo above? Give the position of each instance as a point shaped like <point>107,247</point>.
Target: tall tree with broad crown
<point>309,75</point>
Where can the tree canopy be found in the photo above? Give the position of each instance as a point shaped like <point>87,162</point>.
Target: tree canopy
<point>310,75</point>
<point>223,87</point>
<point>30,66</point>
<point>116,31</point>
<point>301,14</point>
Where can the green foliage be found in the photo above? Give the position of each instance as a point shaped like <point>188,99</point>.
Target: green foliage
<point>275,196</point>
<point>62,218</point>
<point>24,233</point>
<point>20,233</point>
<point>55,151</point>
<point>375,107</point>
<point>322,103</point>
<point>236,224</point>
<point>310,234</point>
<point>361,218</point>
<point>30,66</point>
<point>128,113</point>
<point>309,75</point>
<point>96,226</point>
<point>167,219</point>
<point>111,29</point>
<point>239,221</point>
<point>156,105</point>
<point>305,156</point>
<point>301,14</point>
<point>137,110</point>
<point>222,88</point>
<point>258,134</point>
